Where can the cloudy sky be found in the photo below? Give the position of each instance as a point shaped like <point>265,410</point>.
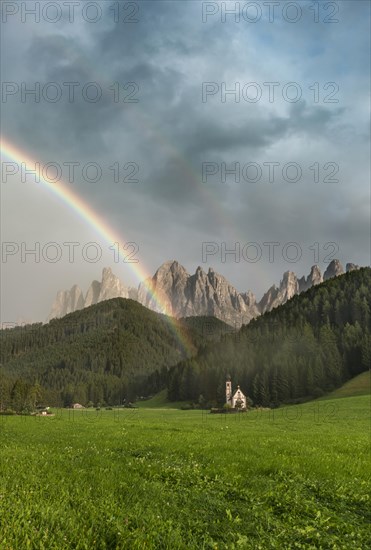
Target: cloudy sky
<point>139,96</point>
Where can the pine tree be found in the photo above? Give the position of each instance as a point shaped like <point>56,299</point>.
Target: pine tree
<point>256,388</point>
<point>366,353</point>
<point>283,388</point>
<point>264,394</point>
<point>274,386</point>
<point>309,379</point>
<point>331,357</point>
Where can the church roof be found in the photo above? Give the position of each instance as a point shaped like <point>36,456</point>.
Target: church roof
<point>238,391</point>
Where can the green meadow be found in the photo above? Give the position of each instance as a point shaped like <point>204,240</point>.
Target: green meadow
<point>293,477</point>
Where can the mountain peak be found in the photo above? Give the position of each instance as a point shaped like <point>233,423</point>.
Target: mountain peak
<point>66,302</point>
<point>106,272</point>
<point>71,300</point>
<point>171,266</point>
<point>200,272</point>
<point>180,294</point>
<point>334,269</point>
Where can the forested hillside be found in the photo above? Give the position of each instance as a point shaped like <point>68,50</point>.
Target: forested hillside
<point>118,350</point>
<point>309,346</point>
<point>101,354</point>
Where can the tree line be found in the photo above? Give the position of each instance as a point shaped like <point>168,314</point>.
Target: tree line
<point>310,345</point>
<point>118,350</point>
<point>103,354</point>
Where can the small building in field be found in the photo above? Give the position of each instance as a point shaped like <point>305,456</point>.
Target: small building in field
<point>41,410</point>
<point>236,399</point>
<point>77,406</point>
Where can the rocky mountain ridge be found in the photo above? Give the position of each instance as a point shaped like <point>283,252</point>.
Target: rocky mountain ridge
<point>68,301</point>
<point>174,291</point>
<point>203,293</point>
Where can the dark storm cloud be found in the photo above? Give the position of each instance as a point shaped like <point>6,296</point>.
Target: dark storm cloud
<point>256,133</point>
<point>170,132</point>
<point>143,53</point>
<point>212,139</point>
<point>65,125</point>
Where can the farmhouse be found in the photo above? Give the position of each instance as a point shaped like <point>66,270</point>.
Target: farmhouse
<point>236,400</point>
<point>42,410</point>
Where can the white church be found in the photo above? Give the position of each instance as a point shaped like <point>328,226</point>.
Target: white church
<point>236,400</point>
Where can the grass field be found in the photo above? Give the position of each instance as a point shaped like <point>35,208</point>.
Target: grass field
<point>359,385</point>
<point>295,477</point>
<point>159,401</point>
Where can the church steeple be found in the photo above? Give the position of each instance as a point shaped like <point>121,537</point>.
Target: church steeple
<point>228,390</point>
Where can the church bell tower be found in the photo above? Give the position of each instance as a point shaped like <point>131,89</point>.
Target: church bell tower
<point>228,391</point>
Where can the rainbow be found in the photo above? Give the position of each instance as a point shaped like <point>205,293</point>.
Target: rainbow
<point>87,214</point>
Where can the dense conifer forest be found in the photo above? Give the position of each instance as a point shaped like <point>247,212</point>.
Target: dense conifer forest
<point>100,355</point>
<point>118,350</point>
<point>300,350</point>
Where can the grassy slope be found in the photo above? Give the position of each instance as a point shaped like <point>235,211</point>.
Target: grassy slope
<point>359,385</point>
<point>159,401</point>
<point>295,477</point>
